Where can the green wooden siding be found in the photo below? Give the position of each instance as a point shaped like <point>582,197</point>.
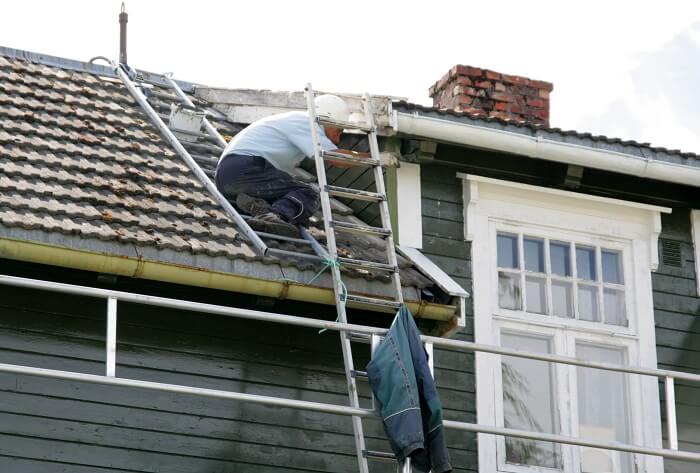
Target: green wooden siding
<point>443,243</point>
<point>677,318</point>
<point>53,425</point>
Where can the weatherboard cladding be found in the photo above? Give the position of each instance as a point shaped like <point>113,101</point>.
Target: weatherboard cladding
<point>83,427</point>
<point>677,319</point>
<point>80,158</point>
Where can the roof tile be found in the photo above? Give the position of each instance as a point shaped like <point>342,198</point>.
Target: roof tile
<point>79,157</point>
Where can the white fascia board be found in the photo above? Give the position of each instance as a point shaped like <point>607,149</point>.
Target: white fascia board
<point>448,131</point>
<point>695,224</point>
<point>433,271</point>
<point>408,205</point>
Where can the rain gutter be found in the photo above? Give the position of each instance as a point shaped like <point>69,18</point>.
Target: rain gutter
<point>539,147</point>
<point>138,267</point>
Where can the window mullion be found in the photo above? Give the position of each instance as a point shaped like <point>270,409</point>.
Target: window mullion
<point>548,278</point>
<point>521,268</point>
<point>574,277</point>
<point>599,281</point>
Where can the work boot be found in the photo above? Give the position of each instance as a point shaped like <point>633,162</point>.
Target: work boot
<point>252,205</point>
<point>270,222</point>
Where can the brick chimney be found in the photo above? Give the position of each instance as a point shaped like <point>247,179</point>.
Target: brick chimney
<point>485,93</point>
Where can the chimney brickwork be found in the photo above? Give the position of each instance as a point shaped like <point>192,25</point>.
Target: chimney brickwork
<point>485,93</point>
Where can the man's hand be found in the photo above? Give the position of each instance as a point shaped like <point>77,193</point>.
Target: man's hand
<point>354,154</point>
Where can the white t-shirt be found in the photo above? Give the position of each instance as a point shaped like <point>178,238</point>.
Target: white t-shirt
<point>284,140</point>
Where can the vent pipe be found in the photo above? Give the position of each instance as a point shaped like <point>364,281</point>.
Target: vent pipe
<point>123,20</point>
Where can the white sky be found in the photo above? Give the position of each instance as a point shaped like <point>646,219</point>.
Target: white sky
<point>629,69</point>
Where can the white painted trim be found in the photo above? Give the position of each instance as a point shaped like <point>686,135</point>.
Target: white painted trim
<point>491,205</point>
<point>695,224</point>
<point>408,205</point>
<point>538,146</point>
<point>563,193</point>
<point>470,198</point>
<point>441,278</point>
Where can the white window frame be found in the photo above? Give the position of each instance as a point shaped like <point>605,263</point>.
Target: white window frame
<point>491,205</point>
<point>561,376</point>
<point>409,205</point>
<point>497,226</point>
<point>695,225</point>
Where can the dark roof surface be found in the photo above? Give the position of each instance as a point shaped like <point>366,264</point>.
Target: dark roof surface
<point>582,138</point>
<point>82,166</point>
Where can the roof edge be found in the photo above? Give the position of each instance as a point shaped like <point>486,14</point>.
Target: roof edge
<point>141,268</point>
<point>91,68</point>
<point>530,129</point>
<point>537,146</point>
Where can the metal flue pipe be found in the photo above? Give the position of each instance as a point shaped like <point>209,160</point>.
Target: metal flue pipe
<point>123,20</point>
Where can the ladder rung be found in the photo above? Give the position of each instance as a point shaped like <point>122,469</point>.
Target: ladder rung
<point>363,229</point>
<point>274,236</point>
<point>359,374</point>
<point>357,194</point>
<point>386,456</point>
<point>358,263</point>
<point>293,254</point>
<point>363,300</point>
<point>359,337</point>
<point>349,159</point>
<point>345,125</point>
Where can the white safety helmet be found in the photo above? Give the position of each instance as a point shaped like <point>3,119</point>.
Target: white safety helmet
<point>333,107</point>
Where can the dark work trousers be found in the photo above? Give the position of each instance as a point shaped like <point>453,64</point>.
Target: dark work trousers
<point>293,200</point>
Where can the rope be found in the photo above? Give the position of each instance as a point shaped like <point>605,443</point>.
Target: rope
<point>331,263</point>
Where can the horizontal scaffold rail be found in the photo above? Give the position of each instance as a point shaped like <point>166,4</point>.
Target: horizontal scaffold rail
<point>323,324</point>
<point>334,409</point>
<point>113,296</point>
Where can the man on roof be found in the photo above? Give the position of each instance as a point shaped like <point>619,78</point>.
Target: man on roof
<point>254,169</point>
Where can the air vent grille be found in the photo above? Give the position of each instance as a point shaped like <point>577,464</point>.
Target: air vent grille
<point>671,253</point>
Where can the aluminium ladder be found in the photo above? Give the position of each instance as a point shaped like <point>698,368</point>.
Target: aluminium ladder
<point>332,226</point>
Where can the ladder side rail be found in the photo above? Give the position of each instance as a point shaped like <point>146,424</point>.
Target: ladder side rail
<point>381,189</point>
<point>211,129</point>
<point>258,244</point>
<point>338,286</point>
<point>324,198</point>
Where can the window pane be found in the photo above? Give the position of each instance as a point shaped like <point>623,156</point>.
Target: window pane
<point>614,301</point>
<point>507,251</point>
<point>536,295</point>
<point>585,263</point>
<point>534,254</point>
<point>509,291</point>
<point>562,299</point>
<point>612,266</point>
<point>588,303</point>
<point>560,261</point>
<point>602,409</point>
<point>529,402</point>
